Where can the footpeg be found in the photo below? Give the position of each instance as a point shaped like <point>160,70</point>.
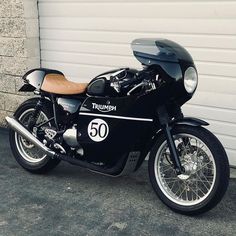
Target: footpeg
<point>58,146</point>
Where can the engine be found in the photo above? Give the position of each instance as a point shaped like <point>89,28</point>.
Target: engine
<point>68,110</point>
<point>70,137</point>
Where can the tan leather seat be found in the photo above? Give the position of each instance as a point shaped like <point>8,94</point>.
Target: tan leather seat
<point>58,84</point>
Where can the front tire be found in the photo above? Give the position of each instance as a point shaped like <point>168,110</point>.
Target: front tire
<point>206,176</point>
<point>31,158</point>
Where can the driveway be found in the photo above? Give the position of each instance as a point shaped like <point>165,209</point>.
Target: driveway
<point>73,201</point>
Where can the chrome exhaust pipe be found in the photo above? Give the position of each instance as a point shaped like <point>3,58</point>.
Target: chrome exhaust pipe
<point>21,130</point>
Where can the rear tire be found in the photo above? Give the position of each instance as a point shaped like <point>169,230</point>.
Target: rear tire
<point>20,145</point>
<point>206,179</point>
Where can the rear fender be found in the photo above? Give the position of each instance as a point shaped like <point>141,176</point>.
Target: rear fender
<point>46,102</point>
<point>27,88</point>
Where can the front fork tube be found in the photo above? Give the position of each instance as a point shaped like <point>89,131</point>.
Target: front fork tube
<point>164,120</point>
<point>173,151</point>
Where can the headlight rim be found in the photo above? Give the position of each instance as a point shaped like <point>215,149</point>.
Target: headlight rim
<point>190,89</point>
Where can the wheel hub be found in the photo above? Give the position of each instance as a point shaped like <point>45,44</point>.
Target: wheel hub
<point>26,143</point>
<point>189,165</point>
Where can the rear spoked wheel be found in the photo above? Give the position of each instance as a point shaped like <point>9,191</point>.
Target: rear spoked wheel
<point>206,175</point>
<point>30,157</point>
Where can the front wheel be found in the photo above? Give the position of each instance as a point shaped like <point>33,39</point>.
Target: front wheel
<point>206,176</point>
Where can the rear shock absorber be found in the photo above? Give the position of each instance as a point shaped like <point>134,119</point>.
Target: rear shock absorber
<point>35,115</point>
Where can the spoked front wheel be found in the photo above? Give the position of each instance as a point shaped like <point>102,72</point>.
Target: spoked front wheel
<point>206,176</point>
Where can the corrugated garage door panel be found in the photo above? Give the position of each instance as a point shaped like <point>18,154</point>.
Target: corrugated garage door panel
<point>199,41</point>
<point>144,9</point>
<point>85,38</point>
<point>197,26</point>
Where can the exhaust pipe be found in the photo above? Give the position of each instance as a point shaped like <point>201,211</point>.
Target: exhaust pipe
<point>21,130</point>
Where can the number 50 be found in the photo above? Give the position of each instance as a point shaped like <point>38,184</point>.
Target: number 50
<point>98,130</point>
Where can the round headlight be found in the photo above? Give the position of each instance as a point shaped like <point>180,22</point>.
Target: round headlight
<point>190,80</point>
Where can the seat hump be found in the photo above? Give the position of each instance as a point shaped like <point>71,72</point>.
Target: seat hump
<point>44,71</point>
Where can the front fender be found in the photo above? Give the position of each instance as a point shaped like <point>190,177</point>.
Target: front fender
<point>189,121</point>
<point>184,121</point>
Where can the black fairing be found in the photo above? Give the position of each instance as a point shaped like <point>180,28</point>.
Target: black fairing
<point>124,135</point>
<point>168,55</point>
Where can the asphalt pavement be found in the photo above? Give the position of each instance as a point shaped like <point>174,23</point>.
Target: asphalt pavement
<point>73,201</point>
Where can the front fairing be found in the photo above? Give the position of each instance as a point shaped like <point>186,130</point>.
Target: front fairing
<point>171,57</point>
<point>170,60</point>
<point>129,122</point>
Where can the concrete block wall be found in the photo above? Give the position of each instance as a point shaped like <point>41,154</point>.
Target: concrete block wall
<point>19,50</point>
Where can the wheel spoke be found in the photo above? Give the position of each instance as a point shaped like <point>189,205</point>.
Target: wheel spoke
<point>180,195</point>
<point>173,184</point>
<point>203,182</point>
<point>204,166</point>
<point>167,168</point>
<point>198,197</point>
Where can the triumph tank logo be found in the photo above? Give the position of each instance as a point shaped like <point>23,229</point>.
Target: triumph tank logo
<point>103,108</point>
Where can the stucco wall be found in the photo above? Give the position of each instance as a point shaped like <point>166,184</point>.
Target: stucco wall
<point>19,50</point>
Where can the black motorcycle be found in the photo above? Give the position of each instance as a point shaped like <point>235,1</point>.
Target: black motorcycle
<point>110,125</point>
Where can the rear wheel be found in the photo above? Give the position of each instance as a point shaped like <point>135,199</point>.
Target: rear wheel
<point>205,180</point>
<point>27,154</point>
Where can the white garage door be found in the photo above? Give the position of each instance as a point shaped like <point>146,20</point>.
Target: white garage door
<point>84,38</point>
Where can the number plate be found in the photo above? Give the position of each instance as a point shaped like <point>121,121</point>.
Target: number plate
<point>98,130</point>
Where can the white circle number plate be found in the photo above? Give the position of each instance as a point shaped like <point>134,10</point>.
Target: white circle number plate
<point>98,130</point>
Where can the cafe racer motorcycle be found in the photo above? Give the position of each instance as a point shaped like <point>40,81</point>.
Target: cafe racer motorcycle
<point>110,125</point>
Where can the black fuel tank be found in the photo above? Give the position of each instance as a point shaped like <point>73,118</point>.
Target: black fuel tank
<point>101,84</point>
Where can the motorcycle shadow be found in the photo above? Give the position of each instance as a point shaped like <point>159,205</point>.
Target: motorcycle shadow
<point>137,187</point>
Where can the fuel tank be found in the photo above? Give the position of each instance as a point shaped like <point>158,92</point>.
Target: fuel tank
<point>101,84</point>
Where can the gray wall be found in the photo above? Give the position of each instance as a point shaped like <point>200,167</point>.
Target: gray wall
<point>19,50</point>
